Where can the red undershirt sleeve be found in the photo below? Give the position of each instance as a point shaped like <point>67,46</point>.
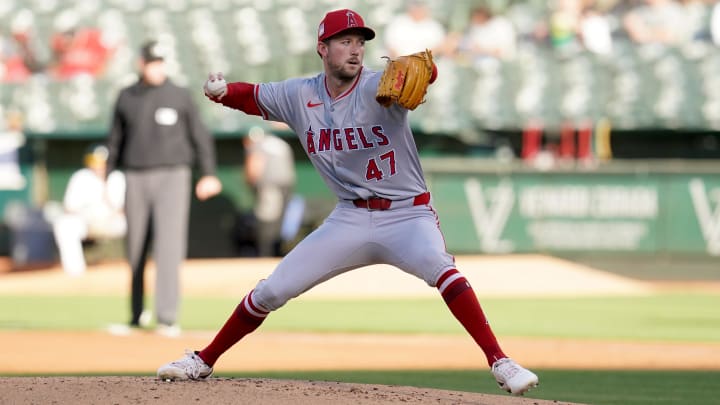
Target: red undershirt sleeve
<point>241,96</point>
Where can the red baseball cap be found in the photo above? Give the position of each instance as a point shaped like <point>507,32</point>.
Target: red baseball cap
<point>338,21</point>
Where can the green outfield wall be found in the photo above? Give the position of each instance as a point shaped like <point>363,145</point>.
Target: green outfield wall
<point>659,207</point>
<point>631,207</point>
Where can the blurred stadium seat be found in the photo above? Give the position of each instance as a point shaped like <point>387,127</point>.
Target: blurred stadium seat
<point>266,40</point>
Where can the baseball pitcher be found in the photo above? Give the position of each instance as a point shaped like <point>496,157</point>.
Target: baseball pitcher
<point>353,125</point>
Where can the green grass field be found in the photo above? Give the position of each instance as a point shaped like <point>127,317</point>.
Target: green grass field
<point>669,317</point>
<point>688,317</point>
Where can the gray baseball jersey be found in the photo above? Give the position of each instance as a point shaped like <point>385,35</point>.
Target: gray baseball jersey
<point>360,148</point>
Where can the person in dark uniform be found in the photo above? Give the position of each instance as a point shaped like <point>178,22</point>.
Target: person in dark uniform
<point>270,173</point>
<point>156,137</point>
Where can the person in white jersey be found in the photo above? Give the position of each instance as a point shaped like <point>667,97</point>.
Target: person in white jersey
<point>93,209</point>
<point>367,156</point>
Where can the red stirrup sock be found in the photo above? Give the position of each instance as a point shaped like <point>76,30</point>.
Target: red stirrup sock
<point>245,319</point>
<point>463,304</point>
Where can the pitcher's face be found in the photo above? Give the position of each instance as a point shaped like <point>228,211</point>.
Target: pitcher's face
<point>343,55</point>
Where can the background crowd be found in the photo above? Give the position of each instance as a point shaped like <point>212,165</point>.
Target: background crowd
<point>491,29</point>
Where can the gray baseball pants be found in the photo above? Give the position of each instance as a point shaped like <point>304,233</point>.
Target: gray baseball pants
<point>157,207</point>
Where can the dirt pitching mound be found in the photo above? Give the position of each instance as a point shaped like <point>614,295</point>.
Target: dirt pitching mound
<point>147,390</point>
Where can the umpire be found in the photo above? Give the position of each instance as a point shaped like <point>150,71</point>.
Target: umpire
<point>156,137</point>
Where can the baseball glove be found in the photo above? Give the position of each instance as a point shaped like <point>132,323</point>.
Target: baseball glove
<point>405,80</point>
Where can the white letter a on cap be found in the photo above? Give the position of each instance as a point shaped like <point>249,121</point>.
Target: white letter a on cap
<point>351,19</point>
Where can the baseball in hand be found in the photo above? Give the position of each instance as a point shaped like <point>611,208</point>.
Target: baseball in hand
<point>216,86</point>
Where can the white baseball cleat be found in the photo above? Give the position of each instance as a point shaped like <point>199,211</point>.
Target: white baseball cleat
<point>145,318</point>
<point>169,331</point>
<point>190,367</point>
<point>512,377</point>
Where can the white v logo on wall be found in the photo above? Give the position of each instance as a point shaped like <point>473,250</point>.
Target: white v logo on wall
<point>490,209</point>
<point>707,211</point>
